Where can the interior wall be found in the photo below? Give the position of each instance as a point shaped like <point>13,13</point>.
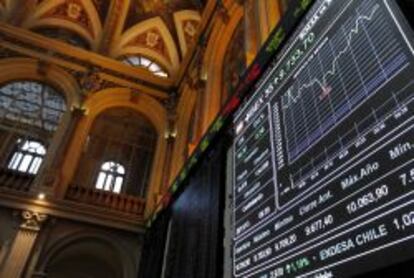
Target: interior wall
<point>196,229</point>
<point>194,244</point>
<point>70,249</point>
<point>7,232</point>
<point>122,136</point>
<point>154,248</point>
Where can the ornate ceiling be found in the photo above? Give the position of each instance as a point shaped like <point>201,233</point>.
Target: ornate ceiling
<point>159,30</point>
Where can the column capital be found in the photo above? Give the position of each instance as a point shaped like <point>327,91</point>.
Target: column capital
<point>79,111</point>
<point>32,220</point>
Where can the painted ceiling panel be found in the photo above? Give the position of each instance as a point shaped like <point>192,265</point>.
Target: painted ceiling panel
<point>102,7</point>
<point>161,30</point>
<point>144,9</point>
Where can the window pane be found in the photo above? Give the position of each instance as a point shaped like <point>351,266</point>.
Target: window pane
<point>108,183</point>
<point>161,73</point>
<point>111,177</point>
<point>120,169</point>
<point>100,181</point>
<point>106,166</point>
<point>15,161</point>
<point>28,157</point>
<point>33,144</point>
<point>33,147</point>
<point>142,62</point>
<point>134,61</point>
<point>40,149</point>
<point>145,62</point>
<point>154,67</point>
<point>24,165</point>
<point>118,184</point>
<point>26,146</point>
<point>34,168</point>
<point>32,103</point>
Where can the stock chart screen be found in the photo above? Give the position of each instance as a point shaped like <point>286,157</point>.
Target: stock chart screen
<point>323,154</point>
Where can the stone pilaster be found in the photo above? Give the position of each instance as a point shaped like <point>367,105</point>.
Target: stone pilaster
<point>47,178</point>
<point>3,252</point>
<point>23,244</point>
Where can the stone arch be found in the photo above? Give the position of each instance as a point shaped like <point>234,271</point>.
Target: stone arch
<point>44,15</point>
<point>58,23</point>
<point>118,98</point>
<point>180,18</point>
<point>121,144</point>
<point>171,63</point>
<point>80,243</point>
<point>185,108</point>
<point>14,69</point>
<point>214,62</point>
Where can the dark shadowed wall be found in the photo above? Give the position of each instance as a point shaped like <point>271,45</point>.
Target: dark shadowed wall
<point>186,242</point>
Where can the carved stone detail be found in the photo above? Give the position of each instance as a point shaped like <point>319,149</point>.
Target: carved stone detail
<point>223,12</point>
<point>91,81</point>
<point>78,111</point>
<point>32,220</point>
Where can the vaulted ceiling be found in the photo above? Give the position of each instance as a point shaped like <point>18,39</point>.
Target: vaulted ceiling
<point>159,31</point>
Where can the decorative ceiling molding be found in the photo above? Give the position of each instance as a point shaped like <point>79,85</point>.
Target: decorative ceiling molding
<point>97,25</point>
<point>187,24</point>
<point>79,16</point>
<point>208,18</point>
<point>78,61</point>
<point>113,25</point>
<point>160,30</point>
<point>103,8</point>
<point>153,39</point>
<point>141,10</point>
<point>5,9</point>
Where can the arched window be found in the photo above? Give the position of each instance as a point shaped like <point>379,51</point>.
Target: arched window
<point>30,112</point>
<point>142,62</point>
<point>31,103</point>
<point>111,177</point>
<point>27,157</point>
<point>118,154</point>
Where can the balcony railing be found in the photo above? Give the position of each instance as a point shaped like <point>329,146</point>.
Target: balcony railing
<point>118,202</point>
<point>13,180</point>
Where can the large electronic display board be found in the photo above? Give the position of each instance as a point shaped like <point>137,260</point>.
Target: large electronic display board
<point>323,157</point>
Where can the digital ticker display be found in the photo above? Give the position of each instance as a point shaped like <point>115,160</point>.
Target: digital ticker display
<point>323,164</point>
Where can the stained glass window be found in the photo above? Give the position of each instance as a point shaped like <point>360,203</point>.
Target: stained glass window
<point>31,103</point>
<point>111,177</point>
<point>142,62</point>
